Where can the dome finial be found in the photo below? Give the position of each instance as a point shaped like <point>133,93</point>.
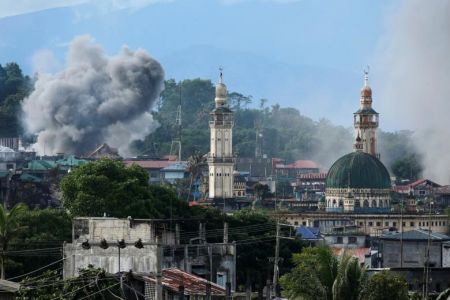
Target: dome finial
<point>221,90</point>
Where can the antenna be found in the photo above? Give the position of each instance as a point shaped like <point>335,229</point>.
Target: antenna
<point>366,75</point>
<point>221,74</point>
<point>176,142</point>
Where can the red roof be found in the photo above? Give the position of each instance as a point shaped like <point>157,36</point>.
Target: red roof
<point>173,278</point>
<point>149,164</point>
<point>303,164</point>
<point>408,187</point>
<point>359,253</point>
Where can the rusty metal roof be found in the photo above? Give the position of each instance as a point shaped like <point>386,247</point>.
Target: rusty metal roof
<point>173,278</point>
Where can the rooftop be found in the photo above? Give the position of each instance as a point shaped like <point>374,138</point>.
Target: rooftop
<point>173,278</point>
<point>416,235</point>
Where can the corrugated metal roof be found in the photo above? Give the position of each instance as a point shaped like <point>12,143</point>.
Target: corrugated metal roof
<point>149,164</point>
<point>173,278</point>
<point>416,235</point>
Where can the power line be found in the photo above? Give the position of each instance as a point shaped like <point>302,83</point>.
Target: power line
<point>53,263</point>
<point>107,288</point>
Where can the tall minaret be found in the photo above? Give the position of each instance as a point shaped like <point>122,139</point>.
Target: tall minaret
<point>220,157</point>
<point>366,122</point>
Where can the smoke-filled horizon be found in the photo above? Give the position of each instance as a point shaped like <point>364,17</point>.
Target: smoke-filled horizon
<point>415,57</point>
<point>95,99</point>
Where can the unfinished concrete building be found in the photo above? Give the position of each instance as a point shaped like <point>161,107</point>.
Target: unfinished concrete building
<point>146,246</point>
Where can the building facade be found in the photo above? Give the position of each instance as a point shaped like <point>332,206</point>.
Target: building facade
<point>220,157</point>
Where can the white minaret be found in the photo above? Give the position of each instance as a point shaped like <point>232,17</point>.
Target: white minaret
<point>365,121</point>
<point>220,157</point>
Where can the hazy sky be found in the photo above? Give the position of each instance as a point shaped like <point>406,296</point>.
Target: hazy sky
<point>309,54</point>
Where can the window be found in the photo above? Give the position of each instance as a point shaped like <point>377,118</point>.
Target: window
<point>378,224</point>
<point>370,223</point>
<point>361,224</point>
<point>304,223</point>
<point>403,224</point>
<point>411,224</point>
<point>352,239</point>
<point>420,224</point>
<point>394,224</point>
<point>386,223</point>
<point>339,240</point>
<point>295,223</point>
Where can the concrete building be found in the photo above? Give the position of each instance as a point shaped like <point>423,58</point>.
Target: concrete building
<point>119,245</point>
<point>409,249</point>
<point>220,158</point>
<point>371,224</point>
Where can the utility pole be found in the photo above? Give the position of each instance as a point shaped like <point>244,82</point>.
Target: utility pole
<point>159,252</point>
<point>276,259</point>
<point>401,234</point>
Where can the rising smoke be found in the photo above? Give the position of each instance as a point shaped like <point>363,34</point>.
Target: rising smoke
<point>415,56</point>
<point>95,99</point>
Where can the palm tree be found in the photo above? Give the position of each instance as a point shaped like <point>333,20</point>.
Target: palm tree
<point>350,279</point>
<point>195,162</point>
<point>9,225</point>
<point>318,274</point>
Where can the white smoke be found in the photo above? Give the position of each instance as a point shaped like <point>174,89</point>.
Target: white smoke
<point>96,98</point>
<point>415,58</point>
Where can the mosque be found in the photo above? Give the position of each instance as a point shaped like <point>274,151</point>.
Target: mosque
<point>358,181</point>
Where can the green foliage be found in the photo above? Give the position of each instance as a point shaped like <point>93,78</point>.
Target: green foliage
<point>45,229</point>
<point>385,285</point>
<point>108,186</point>
<point>14,87</point>
<point>9,226</point>
<point>318,274</point>
<point>92,283</point>
<point>349,280</point>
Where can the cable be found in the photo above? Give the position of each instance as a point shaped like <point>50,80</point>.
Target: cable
<point>37,269</point>
<point>71,292</point>
<point>107,288</point>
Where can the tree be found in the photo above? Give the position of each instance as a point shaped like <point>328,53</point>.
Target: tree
<point>350,279</point>
<point>108,186</point>
<point>313,275</point>
<point>9,226</point>
<point>385,285</point>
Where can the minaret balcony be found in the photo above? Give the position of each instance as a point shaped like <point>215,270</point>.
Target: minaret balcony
<point>221,160</point>
<point>366,124</point>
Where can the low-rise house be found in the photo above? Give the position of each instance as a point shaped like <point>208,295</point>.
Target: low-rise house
<point>409,249</point>
<point>153,168</point>
<point>296,168</point>
<point>175,171</point>
<point>420,188</point>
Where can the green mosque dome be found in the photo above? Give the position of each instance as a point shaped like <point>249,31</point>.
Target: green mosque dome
<point>358,170</point>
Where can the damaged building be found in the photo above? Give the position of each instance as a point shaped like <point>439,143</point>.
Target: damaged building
<point>146,246</point>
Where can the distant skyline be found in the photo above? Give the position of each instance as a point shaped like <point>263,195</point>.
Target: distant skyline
<point>306,54</point>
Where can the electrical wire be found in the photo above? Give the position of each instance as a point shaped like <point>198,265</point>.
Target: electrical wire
<point>107,288</point>
<point>53,263</point>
